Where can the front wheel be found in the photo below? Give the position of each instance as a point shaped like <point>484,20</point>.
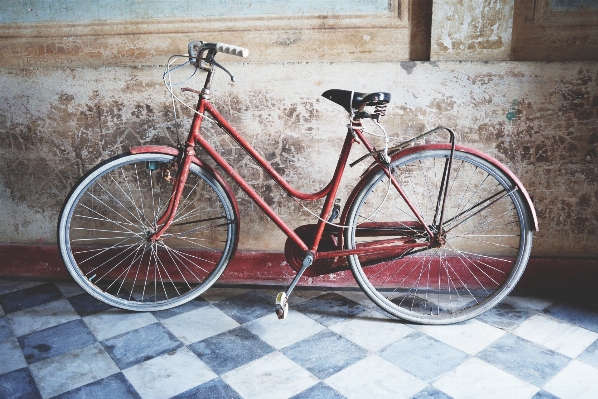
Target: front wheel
<point>484,244</point>
<point>107,220</point>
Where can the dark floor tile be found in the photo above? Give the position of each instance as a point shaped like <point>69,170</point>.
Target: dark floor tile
<point>18,384</point>
<point>330,308</point>
<point>140,345</point>
<point>590,355</point>
<point>544,395</point>
<point>524,359</point>
<point>325,353</point>
<point>248,306</point>
<point>423,356</point>
<point>231,349</point>
<point>55,341</point>
<point>431,393</point>
<point>114,386</point>
<point>505,316</point>
<point>85,305</point>
<point>184,308</point>
<point>29,297</point>
<point>319,391</point>
<point>583,314</point>
<point>5,329</point>
<point>213,389</point>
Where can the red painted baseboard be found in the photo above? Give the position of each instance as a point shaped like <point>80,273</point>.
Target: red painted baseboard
<point>543,274</point>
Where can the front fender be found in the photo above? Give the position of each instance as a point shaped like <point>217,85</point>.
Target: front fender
<point>175,152</point>
<point>443,146</point>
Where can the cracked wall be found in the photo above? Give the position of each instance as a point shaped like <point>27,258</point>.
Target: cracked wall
<point>540,119</point>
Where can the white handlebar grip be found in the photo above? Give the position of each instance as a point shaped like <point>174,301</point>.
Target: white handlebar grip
<point>232,50</point>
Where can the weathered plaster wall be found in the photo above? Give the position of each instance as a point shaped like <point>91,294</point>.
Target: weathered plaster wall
<point>540,119</point>
<point>471,30</point>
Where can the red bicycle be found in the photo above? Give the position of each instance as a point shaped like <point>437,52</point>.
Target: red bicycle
<point>435,233</point>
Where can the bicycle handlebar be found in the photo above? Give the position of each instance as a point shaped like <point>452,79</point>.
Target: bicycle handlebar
<point>197,47</point>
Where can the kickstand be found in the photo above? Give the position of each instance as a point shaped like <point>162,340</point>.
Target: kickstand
<point>282,299</point>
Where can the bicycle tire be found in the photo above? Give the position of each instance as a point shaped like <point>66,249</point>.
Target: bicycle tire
<point>107,218</point>
<point>488,237</point>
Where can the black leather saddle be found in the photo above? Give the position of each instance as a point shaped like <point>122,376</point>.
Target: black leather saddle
<point>343,98</point>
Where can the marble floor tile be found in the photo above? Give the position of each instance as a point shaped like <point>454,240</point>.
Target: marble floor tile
<point>29,297</point>
<point>41,317</point>
<point>374,377</point>
<point>524,359</point>
<point>12,358</point>
<point>584,314</point>
<point>199,324</point>
<point>542,394</point>
<point>478,379</point>
<point>55,341</point>
<point>360,297</point>
<point>168,375</point>
<point>565,338</point>
<point>218,294</point>
<point>320,390</point>
<point>576,381</point>
<point>505,316</point>
<point>140,345</point>
<point>231,349</point>
<point>282,333</point>
<point>113,322</point>
<point>431,393</point>
<point>115,386</point>
<point>527,302</point>
<point>69,289</point>
<point>324,354</point>
<point>5,329</point>
<point>86,305</point>
<point>590,355</point>
<point>71,370</point>
<point>178,310</point>
<point>470,336</point>
<point>273,376</point>
<point>372,331</point>
<point>248,306</point>
<point>18,384</point>
<point>1,311</point>
<point>423,356</point>
<point>330,308</point>
<point>213,389</point>
<point>7,286</point>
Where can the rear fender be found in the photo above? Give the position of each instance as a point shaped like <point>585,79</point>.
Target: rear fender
<point>175,152</point>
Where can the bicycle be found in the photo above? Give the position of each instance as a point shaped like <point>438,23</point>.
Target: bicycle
<point>433,233</point>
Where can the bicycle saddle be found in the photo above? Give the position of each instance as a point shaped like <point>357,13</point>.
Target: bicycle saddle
<point>343,98</point>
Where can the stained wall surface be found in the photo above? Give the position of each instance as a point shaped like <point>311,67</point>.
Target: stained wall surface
<point>76,91</point>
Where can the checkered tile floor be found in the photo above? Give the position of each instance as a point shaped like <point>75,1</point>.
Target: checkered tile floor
<point>58,342</point>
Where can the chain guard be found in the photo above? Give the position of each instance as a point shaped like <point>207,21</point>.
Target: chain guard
<point>295,255</point>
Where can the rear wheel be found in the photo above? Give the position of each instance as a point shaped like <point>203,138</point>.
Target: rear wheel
<point>484,247</point>
<point>107,219</point>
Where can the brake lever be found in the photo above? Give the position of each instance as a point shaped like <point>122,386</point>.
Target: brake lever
<point>232,78</point>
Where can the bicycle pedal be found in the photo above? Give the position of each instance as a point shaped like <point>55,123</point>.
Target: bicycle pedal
<point>282,305</point>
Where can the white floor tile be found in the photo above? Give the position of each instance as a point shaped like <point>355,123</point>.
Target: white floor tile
<point>478,379</point>
<point>69,289</point>
<point>372,331</point>
<point>359,297</point>
<point>469,336</point>
<point>282,333</point>
<point>576,381</point>
<point>199,324</point>
<point>114,322</point>
<point>374,377</point>
<point>273,376</point>
<point>42,316</point>
<point>12,357</point>
<point>168,375</point>
<point>565,338</point>
<point>72,370</point>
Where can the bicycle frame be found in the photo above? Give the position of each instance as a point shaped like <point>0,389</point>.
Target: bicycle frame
<point>355,134</point>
